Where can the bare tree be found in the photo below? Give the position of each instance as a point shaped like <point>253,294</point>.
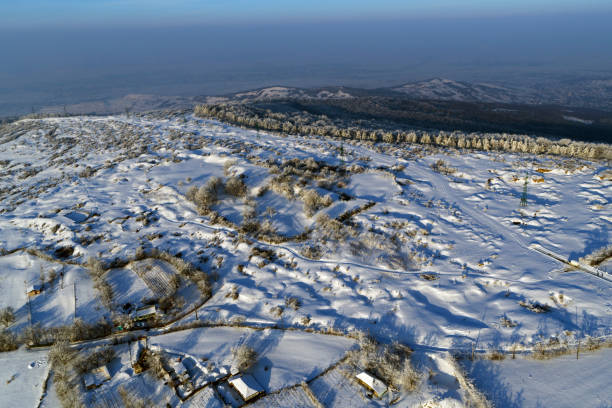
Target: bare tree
<point>7,316</point>
<point>244,357</point>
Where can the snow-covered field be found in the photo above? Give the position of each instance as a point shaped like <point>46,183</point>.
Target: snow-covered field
<point>22,378</point>
<point>560,382</point>
<point>56,304</point>
<point>441,262</point>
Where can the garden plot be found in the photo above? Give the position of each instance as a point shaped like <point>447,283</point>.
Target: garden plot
<point>128,287</point>
<point>337,388</point>
<point>157,275</point>
<point>142,387</point>
<point>284,358</point>
<point>206,398</point>
<point>294,397</point>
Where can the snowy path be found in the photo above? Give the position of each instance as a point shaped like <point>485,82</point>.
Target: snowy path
<point>440,183</point>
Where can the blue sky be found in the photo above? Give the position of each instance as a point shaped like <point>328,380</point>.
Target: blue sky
<point>36,13</point>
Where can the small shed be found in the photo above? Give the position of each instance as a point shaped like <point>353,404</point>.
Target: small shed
<point>96,377</point>
<point>33,290</point>
<point>246,386</point>
<point>373,384</point>
<point>145,313</point>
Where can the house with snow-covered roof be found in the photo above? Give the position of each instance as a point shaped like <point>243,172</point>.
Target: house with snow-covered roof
<point>145,313</point>
<point>371,383</point>
<point>246,386</point>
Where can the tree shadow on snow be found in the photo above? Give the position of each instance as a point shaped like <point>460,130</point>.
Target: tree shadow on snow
<point>488,378</point>
<point>597,238</point>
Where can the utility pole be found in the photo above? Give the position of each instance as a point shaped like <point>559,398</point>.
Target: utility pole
<point>42,277</point>
<point>30,312</point>
<point>524,197</point>
<point>75,302</point>
<point>576,315</point>
<point>25,283</point>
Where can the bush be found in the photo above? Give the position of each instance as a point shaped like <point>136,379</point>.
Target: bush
<point>276,311</point>
<point>389,362</point>
<point>331,227</point>
<point>442,167</point>
<point>7,316</point>
<point>133,401</point>
<point>172,303</point>
<point>233,293</point>
<point>106,292</point>
<point>215,185</point>
<point>311,251</point>
<point>206,195</point>
<point>535,307</point>
<point>293,303</point>
<point>156,363</point>
<point>84,331</point>
<point>67,385</point>
<point>61,353</point>
<point>598,256</point>
<point>87,362</point>
<point>96,271</point>
<point>313,201</point>
<point>236,187</point>
<point>96,267</point>
<point>264,253</point>
<point>244,357</point>
<point>8,341</point>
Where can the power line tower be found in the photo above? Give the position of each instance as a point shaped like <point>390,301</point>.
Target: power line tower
<point>524,197</point>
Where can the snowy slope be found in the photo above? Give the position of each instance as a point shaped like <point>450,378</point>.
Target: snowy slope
<point>440,262</point>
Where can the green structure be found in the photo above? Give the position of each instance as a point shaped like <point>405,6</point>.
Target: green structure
<point>524,197</point>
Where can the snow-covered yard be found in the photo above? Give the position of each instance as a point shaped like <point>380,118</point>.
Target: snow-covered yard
<point>22,377</point>
<point>284,358</point>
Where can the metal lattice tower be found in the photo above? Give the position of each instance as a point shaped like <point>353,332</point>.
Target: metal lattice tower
<point>524,197</point>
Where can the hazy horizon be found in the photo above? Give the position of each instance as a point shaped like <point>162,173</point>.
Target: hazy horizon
<point>54,66</point>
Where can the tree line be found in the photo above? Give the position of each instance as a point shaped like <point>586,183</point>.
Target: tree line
<point>307,124</point>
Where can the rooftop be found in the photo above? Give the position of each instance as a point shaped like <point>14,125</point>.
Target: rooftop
<point>246,386</point>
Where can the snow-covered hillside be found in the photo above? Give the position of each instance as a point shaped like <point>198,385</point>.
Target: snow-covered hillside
<point>447,89</point>
<point>423,246</point>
